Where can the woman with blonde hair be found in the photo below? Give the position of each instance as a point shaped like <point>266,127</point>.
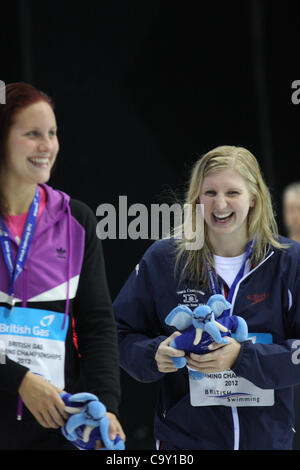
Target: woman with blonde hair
<point>261,223</point>
<point>245,399</point>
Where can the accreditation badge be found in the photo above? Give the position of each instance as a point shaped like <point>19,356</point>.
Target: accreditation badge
<point>228,389</point>
<point>36,339</point>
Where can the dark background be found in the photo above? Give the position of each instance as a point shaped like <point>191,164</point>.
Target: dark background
<point>142,88</point>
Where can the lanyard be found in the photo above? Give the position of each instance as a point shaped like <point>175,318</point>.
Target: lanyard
<point>6,246</point>
<point>213,280</point>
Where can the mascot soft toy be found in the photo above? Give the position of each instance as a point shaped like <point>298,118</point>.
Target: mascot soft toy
<point>202,328</point>
<point>88,422</point>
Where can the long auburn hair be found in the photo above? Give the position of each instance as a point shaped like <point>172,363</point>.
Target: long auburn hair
<point>262,225</point>
<point>18,95</point>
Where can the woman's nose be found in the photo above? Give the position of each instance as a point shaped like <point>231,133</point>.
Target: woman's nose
<point>44,144</point>
<point>220,202</point>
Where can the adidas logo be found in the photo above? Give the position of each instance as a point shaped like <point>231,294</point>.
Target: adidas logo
<point>61,253</point>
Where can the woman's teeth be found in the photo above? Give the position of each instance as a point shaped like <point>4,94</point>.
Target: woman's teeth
<point>222,218</point>
<point>39,162</point>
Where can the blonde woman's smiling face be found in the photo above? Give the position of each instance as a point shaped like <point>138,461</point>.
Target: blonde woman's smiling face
<point>226,201</point>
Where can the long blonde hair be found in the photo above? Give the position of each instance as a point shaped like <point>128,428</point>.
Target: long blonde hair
<point>261,220</point>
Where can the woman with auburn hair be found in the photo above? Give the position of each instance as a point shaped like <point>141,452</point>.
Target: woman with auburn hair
<point>52,276</point>
<point>245,398</point>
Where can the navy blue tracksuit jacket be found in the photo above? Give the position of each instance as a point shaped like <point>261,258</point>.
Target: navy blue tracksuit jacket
<point>268,298</point>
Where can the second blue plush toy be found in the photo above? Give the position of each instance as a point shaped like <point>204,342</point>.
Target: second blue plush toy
<point>88,422</point>
<point>201,327</point>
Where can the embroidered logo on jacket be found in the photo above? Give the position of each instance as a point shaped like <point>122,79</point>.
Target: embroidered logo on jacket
<point>257,298</point>
<point>189,297</point>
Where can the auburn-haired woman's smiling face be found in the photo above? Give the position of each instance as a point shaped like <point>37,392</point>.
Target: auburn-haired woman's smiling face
<point>32,145</point>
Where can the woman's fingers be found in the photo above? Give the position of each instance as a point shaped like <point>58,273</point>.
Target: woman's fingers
<point>165,352</point>
<point>43,401</point>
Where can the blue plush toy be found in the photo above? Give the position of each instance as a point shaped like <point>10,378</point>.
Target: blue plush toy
<point>88,422</point>
<point>202,329</point>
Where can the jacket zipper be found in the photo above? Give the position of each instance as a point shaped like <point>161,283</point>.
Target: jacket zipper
<point>234,409</point>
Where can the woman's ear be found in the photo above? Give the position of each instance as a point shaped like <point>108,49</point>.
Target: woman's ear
<point>253,201</point>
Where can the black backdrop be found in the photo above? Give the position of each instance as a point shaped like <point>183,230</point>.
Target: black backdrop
<point>141,89</point>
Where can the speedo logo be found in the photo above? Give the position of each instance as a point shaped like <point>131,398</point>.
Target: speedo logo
<point>257,298</point>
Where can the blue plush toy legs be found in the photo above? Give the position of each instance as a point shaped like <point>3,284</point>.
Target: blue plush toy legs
<point>195,374</point>
<point>241,332</point>
<point>178,362</point>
